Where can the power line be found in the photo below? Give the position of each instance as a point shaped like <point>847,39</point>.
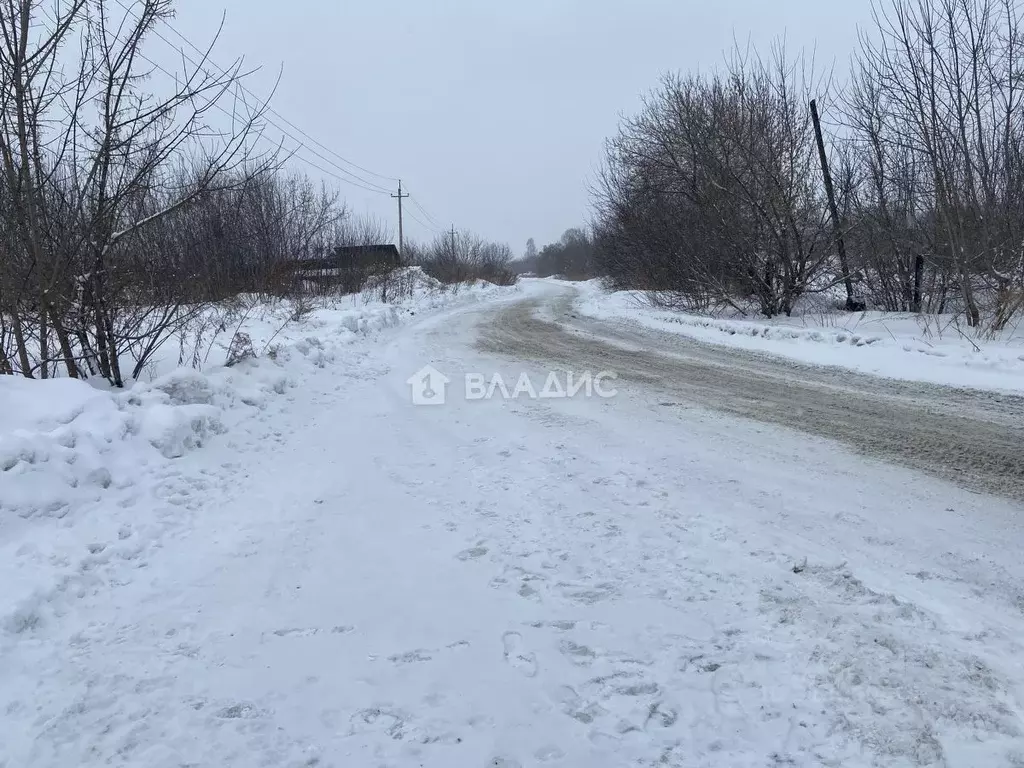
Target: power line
<point>421,208</point>
<point>364,183</point>
<point>330,173</point>
<point>424,211</point>
<point>294,154</point>
<point>423,224</point>
<point>348,178</point>
<point>270,109</point>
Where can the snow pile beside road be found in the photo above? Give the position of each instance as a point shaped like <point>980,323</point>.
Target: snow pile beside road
<point>87,475</point>
<point>270,327</point>
<point>63,439</point>
<point>893,345</point>
<point>52,438</point>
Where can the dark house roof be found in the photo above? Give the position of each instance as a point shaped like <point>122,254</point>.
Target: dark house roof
<point>352,257</point>
<point>362,250</point>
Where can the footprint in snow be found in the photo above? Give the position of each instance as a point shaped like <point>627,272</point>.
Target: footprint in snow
<point>580,655</point>
<point>297,632</point>
<point>472,554</point>
<point>420,655</point>
<point>561,626</point>
<point>378,720</point>
<point>243,711</point>
<point>515,654</point>
<point>548,753</point>
<point>310,631</point>
<point>411,657</point>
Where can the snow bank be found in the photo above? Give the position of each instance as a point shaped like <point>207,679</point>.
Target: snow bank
<point>87,474</point>
<point>84,472</point>
<point>272,326</point>
<point>893,345</point>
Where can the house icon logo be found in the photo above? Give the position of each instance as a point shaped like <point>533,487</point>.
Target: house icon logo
<point>429,386</point>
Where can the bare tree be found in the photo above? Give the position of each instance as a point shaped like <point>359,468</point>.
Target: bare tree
<point>464,256</point>
<point>709,196</point>
<point>92,161</point>
<point>713,191</point>
<point>34,88</point>
<point>937,116</point>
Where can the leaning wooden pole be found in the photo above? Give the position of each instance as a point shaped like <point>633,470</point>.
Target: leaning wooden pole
<point>830,192</point>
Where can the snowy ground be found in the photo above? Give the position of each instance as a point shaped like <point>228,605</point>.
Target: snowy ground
<point>336,577</point>
<point>938,350</point>
<point>78,460</point>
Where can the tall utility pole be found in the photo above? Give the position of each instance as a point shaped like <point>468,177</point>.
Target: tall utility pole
<point>830,192</point>
<point>454,250</point>
<point>400,197</point>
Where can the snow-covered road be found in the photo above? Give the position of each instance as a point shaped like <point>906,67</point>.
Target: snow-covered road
<point>585,582</point>
<point>972,436</point>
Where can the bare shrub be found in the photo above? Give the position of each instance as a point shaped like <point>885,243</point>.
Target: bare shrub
<point>462,257</point>
<point>81,197</point>
<point>711,192</point>
<point>709,197</point>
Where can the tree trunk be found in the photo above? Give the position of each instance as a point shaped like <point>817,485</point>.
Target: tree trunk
<point>64,339</point>
<point>970,305</point>
<point>918,277</point>
<point>19,340</point>
<point>44,339</point>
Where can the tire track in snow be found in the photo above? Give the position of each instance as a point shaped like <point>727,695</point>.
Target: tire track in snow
<point>970,437</point>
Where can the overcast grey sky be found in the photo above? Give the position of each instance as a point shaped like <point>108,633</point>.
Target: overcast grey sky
<point>493,113</point>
